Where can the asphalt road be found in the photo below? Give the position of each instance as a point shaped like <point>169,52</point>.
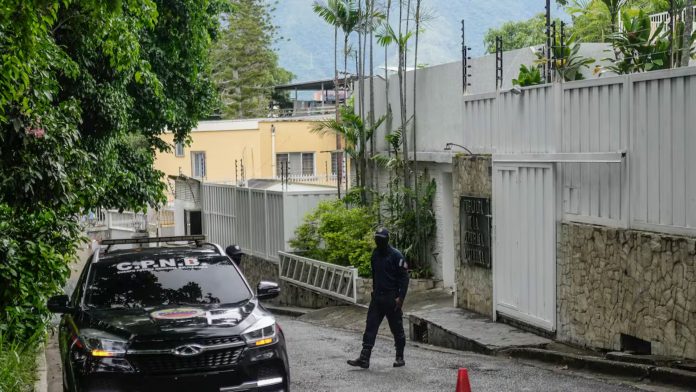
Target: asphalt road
<point>318,363</point>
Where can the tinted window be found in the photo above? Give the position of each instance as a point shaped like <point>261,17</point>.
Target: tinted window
<point>144,283</point>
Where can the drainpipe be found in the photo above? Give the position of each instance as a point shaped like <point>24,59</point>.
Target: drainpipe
<point>273,149</point>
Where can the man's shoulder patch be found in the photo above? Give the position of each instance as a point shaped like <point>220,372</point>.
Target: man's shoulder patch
<point>403,263</point>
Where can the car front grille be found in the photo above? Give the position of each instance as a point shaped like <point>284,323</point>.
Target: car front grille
<point>154,357</point>
<point>170,344</point>
<point>170,363</point>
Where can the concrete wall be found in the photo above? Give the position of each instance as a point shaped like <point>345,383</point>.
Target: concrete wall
<point>440,97</point>
<point>471,176</point>
<point>222,147</point>
<point>617,281</point>
<point>256,269</point>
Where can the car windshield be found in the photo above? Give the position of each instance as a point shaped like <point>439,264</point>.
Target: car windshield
<point>202,280</point>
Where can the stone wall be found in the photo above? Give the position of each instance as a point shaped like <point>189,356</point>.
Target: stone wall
<point>471,176</point>
<point>257,269</point>
<point>615,281</point>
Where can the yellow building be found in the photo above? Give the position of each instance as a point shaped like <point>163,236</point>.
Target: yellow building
<point>232,151</point>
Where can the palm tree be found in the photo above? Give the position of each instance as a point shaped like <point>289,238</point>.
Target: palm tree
<point>341,14</point>
<point>385,38</point>
<point>614,7</point>
<point>353,130</point>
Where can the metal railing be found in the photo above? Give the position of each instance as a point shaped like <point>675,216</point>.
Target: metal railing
<point>663,18</point>
<point>302,112</point>
<point>329,279</point>
<point>103,219</point>
<point>126,220</point>
<point>312,179</point>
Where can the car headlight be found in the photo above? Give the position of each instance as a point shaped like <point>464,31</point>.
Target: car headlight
<point>103,344</point>
<point>262,333</point>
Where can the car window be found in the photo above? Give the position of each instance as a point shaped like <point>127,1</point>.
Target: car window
<point>202,280</point>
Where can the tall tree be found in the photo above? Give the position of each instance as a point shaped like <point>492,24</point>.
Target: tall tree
<point>343,15</point>
<point>517,35</point>
<point>245,66</point>
<point>86,90</point>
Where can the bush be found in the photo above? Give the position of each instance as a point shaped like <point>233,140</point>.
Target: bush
<point>338,234</point>
<point>17,366</point>
<point>36,248</point>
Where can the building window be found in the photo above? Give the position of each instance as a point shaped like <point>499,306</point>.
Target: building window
<point>308,164</point>
<point>281,162</point>
<point>179,149</point>
<point>334,163</point>
<point>296,163</point>
<point>198,164</point>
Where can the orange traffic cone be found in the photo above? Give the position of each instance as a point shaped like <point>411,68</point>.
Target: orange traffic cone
<point>463,381</point>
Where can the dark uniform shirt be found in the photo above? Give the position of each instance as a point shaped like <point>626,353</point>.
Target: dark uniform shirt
<point>389,272</point>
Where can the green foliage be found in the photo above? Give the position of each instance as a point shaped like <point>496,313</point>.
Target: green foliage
<point>37,246</point>
<point>17,365</point>
<point>528,76</point>
<point>337,233</point>
<point>637,49</point>
<point>596,20</point>
<point>518,35</point>
<point>356,135</point>
<point>86,90</point>
<point>567,62</point>
<point>409,215</point>
<point>245,66</point>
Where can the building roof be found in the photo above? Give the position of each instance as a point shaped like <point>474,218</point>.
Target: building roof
<point>315,85</point>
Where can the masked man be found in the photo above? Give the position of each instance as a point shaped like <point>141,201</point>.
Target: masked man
<point>389,286</point>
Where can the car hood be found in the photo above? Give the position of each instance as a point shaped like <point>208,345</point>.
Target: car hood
<point>175,322</point>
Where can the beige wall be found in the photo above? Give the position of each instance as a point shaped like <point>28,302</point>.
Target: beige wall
<point>224,142</point>
<point>221,149</point>
<point>295,136</point>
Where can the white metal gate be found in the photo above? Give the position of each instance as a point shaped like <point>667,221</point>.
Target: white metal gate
<point>524,265</point>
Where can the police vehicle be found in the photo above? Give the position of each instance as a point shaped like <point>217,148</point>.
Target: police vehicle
<point>176,317</point>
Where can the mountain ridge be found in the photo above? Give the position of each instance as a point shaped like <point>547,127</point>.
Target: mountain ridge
<point>306,47</point>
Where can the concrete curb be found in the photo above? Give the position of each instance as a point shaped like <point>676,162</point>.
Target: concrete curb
<point>654,373</point>
<point>443,337</point>
<point>287,311</point>
<point>41,384</point>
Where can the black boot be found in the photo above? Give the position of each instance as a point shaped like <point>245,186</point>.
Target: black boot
<point>363,360</point>
<point>399,361</point>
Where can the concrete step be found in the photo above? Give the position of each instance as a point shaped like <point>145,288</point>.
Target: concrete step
<point>464,330</point>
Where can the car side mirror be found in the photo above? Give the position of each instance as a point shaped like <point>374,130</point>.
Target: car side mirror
<point>59,304</point>
<point>267,290</point>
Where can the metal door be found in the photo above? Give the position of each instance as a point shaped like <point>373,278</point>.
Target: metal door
<point>524,264</point>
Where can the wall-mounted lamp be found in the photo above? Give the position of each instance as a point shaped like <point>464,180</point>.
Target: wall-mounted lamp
<point>448,147</point>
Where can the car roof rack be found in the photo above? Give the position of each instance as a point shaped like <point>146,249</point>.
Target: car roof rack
<point>198,239</point>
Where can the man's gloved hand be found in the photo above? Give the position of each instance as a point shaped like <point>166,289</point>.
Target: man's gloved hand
<point>399,302</point>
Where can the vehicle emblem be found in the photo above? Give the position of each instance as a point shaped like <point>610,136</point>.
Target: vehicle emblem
<point>188,350</point>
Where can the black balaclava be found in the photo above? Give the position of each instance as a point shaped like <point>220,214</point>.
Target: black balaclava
<point>382,240</point>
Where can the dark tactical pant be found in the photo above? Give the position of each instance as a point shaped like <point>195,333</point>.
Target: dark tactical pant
<point>384,304</point>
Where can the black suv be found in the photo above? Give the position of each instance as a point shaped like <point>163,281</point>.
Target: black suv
<point>180,317</point>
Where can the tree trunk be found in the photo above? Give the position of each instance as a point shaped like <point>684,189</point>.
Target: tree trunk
<point>339,155</point>
<point>402,100</point>
<point>421,257</point>
<point>371,116</point>
<point>686,37</point>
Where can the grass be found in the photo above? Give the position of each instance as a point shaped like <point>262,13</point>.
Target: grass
<point>17,365</point>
